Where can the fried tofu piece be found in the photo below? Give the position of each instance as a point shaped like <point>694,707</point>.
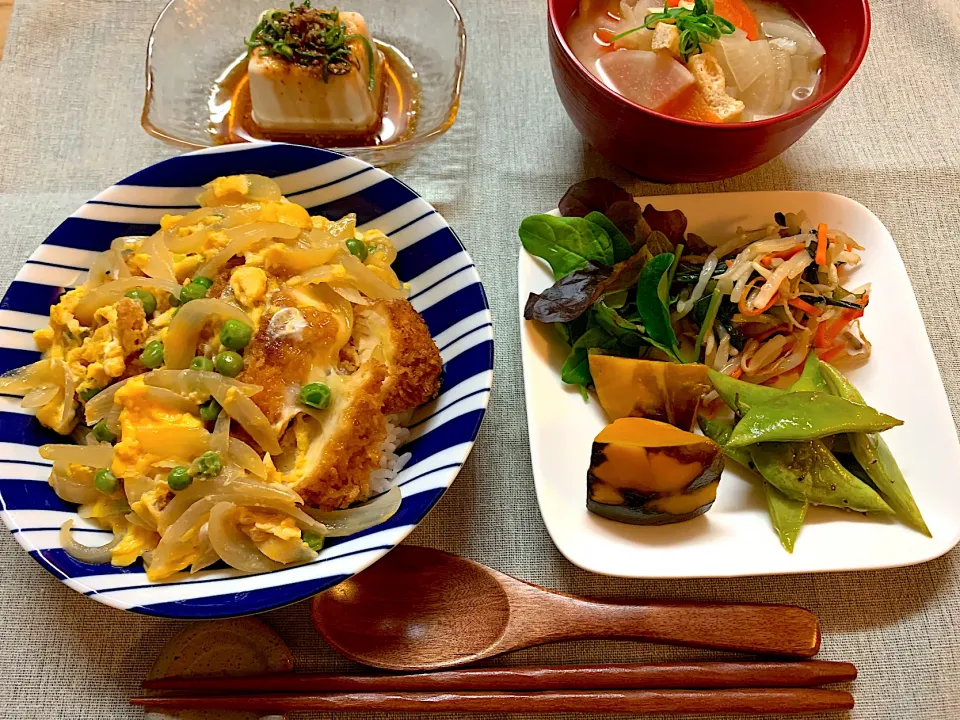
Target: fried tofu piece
<point>708,75</point>
<point>666,37</point>
<point>413,360</point>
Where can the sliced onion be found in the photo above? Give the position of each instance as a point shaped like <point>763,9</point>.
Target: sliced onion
<point>349,293</point>
<point>340,523</point>
<point>194,242</point>
<point>186,382</point>
<point>68,488</point>
<point>233,546</point>
<point>178,542</point>
<point>170,399</point>
<point>43,372</point>
<point>204,554</point>
<point>112,419</point>
<point>108,266</point>
<point>101,403</point>
<point>97,456</point>
<point>335,234</point>
<point>300,260</point>
<point>247,458</point>
<point>135,487</point>
<point>98,555</point>
<point>98,510</point>
<point>160,262</point>
<point>358,274</point>
<point>243,237</point>
<point>111,292</point>
<point>41,395</point>
<point>259,188</point>
<point>220,440</point>
<point>180,344</point>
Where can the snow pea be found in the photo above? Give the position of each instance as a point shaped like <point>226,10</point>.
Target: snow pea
<point>740,396</point>
<point>811,379</point>
<point>875,457</point>
<point>786,514</point>
<point>809,472</point>
<point>798,416</point>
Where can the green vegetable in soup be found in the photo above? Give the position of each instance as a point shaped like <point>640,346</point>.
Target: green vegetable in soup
<point>567,244</point>
<point>877,461</point>
<point>808,471</point>
<point>797,416</point>
<point>698,26</point>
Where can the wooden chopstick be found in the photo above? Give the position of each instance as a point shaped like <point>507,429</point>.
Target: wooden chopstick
<point>691,676</point>
<point>778,701</point>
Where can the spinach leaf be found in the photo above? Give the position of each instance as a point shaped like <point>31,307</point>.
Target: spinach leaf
<point>626,332</point>
<point>567,244</point>
<point>576,368</point>
<point>571,296</point>
<point>652,303</point>
<point>688,273</point>
<point>621,246</point>
<point>725,314</point>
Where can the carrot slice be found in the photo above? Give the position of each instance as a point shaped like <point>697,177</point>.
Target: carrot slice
<point>690,106</point>
<point>811,310</point>
<point>737,12</point>
<point>821,257</point>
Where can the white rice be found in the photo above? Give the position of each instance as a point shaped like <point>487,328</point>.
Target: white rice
<point>391,464</point>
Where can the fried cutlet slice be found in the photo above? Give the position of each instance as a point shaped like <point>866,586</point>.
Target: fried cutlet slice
<point>413,361</point>
<point>337,448</point>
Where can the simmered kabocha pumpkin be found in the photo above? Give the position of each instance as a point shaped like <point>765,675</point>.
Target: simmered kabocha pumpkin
<point>650,473</point>
<point>648,388</point>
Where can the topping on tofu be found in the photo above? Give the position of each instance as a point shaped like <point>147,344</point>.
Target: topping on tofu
<point>315,71</point>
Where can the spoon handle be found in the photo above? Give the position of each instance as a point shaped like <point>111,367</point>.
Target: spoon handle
<point>764,629</point>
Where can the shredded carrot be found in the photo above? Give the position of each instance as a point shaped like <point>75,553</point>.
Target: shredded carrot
<point>827,332</point>
<point>821,256</point>
<point>768,259</point>
<point>811,310</point>
<point>771,332</point>
<point>832,352</point>
<point>737,372</point>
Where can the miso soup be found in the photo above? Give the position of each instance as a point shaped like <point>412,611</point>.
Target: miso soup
<point>708,60</point>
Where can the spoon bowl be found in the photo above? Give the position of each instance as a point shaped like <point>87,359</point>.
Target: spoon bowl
<point>423,609</point>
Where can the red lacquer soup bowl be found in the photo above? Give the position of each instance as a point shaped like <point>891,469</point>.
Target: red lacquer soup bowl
<point>667,149</point>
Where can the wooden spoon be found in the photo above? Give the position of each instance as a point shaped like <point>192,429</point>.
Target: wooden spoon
<point>423,609</point>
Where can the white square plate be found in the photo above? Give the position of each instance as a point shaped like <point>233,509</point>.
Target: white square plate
<point>735,537</point>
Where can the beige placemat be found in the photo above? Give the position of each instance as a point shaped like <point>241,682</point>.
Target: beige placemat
<point>70,94</point>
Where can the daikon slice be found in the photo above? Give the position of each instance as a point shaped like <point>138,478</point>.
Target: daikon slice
<point>807,44</point>
<point>646,78</point>
<point>762,97</point>
<point>742,60</point>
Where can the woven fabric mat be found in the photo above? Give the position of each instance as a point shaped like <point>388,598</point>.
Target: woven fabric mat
<point>71,87</point>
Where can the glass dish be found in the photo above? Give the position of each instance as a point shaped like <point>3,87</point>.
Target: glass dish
<point>194,41</point>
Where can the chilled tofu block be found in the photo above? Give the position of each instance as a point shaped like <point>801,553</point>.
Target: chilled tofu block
<point>290,97</point>
<point>647,78</point>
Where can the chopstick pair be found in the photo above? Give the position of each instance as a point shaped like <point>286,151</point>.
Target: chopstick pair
<point>703,687</point>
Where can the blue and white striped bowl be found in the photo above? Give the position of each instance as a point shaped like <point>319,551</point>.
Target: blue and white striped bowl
<point>445,289</point>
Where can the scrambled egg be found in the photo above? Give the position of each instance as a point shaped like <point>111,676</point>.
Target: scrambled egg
<point>141,412</point>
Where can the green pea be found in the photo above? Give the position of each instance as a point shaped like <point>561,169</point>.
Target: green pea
<point>235,334</point>
<point>102,433</point>
<point>315,395</point>
<point>146,299</point>
<point>201,363</point>
<point>193,291</point>
<point>179,478</point>
<point>88,394</point>
<point>357,249</point>
<point>228,363</point>
<point>313,541</point>
<point>210,410</point>
<point>105,481</point>
<point>174,302</point>
<point>205,281</point>
<point>208,464</point>
<point>152,355</point>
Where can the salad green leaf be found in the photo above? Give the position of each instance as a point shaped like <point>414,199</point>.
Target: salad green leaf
<point>653,304</point>
<point>621,245</point>
<point>567,244</point>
